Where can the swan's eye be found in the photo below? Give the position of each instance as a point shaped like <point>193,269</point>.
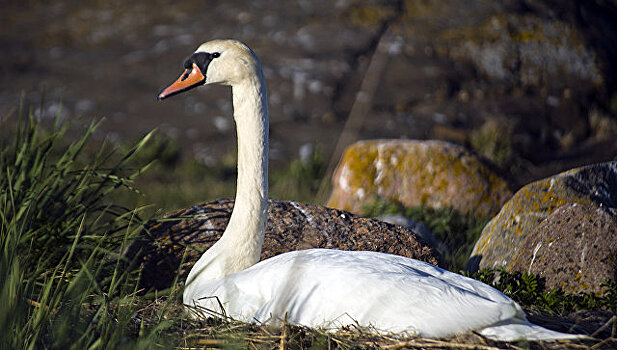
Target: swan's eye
<point>215,55</point>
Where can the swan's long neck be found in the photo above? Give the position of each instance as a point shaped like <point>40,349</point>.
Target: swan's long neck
<point>240,245</point>
<point>247,224</point>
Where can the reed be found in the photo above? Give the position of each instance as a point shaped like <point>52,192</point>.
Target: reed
<point>64,281</point>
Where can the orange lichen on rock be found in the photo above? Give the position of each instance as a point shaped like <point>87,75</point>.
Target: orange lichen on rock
<point>432,173</point>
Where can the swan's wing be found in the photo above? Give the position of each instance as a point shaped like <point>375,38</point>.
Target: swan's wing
<point>330,288</point>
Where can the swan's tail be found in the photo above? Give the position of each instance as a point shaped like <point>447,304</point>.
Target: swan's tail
<point>518,329</point>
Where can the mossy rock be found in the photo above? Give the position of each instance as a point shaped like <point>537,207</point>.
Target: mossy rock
<point>414,173</point>
<point>505,233</point>
<point>528,49</point>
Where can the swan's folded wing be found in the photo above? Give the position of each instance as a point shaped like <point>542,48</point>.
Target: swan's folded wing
<point>329,288</point>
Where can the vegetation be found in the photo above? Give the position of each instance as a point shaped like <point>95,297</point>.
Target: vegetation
<point>529,290</point>
<point>178,180</point>
<point>494,141</point>
<point>299,181</point>
<point>175,180</point>
<point>64,284</point>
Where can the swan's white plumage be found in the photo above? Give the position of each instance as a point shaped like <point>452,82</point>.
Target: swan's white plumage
<point>329,289</point>
<point>319,287</point>
<point>332,288</point>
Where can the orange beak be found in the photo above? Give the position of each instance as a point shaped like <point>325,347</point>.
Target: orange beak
<point>188,80</point>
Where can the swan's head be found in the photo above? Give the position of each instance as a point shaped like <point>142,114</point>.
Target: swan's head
<point>223,62</point>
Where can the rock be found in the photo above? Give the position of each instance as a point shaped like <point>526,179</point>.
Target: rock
<point>542,64</point>
<point>505,233</point>
<point>510,48</point>
<point>414,173</point>
<point>291,226</point>
<point>417,227</point>
<point>574,248</point>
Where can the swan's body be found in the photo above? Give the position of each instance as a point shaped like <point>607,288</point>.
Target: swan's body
<point>328,289</point>
<point>319,287</point>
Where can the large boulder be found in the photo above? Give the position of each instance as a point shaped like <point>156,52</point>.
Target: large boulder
<point>504,235</point>
<point>173,244</point>
<point>414,173</point>
<point>574,248</point>
<point>527,49</point>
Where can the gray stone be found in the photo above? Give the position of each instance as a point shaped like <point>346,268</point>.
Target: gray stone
<point>574,248</point>
<point>417,227</point>
<point>504,235</point>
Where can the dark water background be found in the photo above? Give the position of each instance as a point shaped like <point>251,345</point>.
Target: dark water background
<point>542,72</point>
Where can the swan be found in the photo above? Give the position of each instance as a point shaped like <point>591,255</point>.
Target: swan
<point>322,288</point>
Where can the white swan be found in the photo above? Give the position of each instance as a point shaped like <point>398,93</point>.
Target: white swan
<point>320,287</point>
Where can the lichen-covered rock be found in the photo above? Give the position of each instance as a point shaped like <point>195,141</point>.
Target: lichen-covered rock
<point>504,234</point>
<point>291,226</point>
<point>574,248</point>
<point>527,50</point>
<point>520,47</point>
<point>414,173</point>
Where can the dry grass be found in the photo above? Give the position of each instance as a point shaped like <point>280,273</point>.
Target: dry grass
<point>213,333</point>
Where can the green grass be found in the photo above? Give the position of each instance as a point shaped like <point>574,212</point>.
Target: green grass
<point>178,180</point>
<point>529,290</point>
<point>495,142</point>
<point>300,180</point>
<point>64,281</point>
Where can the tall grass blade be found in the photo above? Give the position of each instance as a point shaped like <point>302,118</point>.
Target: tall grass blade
<point>63,284</point>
